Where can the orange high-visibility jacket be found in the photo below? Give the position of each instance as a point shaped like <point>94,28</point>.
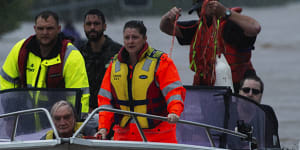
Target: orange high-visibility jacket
<point>134,88</point>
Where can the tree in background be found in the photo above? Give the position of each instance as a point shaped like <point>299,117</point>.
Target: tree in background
<point>12,12</point>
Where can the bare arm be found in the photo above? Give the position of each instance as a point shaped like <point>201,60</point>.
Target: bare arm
<point>168,20</point>
<point>250,26</point>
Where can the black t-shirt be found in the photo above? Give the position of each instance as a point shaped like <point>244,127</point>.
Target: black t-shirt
<point>232,34</point>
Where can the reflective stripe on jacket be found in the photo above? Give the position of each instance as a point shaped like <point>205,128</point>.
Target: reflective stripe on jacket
<point>160,82</point>
<point>54,76</point>
<point>74,72</point>
<point>138,93</point>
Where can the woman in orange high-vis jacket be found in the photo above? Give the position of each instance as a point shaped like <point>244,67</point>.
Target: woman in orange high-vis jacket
<point>144,80</point>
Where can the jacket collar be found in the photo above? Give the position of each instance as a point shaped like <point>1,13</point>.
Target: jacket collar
<point>33,46</point>
<point>123,55</point>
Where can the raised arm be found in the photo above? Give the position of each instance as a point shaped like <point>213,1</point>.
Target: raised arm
<point>168,20</point>
<point>250,26</point>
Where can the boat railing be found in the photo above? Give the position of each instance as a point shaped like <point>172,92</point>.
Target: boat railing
<point>208,128</point>
<point>17,114</point>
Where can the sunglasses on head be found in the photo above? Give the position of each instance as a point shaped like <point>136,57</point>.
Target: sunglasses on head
<point>254,91</point>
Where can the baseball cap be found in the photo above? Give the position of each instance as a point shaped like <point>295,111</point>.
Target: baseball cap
<point>196,5</point>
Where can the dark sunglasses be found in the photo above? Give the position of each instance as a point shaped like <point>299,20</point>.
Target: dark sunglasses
<point>254,91</point>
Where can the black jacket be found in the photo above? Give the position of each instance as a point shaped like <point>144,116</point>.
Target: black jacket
<point>96,64</point>
<point>271,127</point>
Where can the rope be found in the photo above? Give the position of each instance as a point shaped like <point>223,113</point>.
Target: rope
<point>174,32</point>
<point>205,57</point>
<point>173,35</point>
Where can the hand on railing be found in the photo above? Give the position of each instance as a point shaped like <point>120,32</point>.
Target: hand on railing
<point>172,118</point>
<point>102,132</point>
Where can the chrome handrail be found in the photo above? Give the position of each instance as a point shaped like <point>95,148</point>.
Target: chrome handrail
<point>208,128</point>
<point>18,113</point>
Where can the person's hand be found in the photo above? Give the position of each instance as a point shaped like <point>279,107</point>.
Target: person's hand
<point>172,118</point>
<point>167,22</point>
<point>171,14</point>
<point>215,8</point>
<point>102,132</point>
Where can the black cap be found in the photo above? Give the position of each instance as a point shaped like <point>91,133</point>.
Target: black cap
<point>196,5</point>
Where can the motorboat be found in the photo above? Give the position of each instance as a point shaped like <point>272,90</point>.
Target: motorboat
<point>213,119</point>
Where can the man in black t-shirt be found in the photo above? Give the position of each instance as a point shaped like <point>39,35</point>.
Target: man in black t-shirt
<point>236,35</point>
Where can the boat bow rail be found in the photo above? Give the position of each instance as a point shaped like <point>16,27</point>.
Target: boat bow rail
<point>78,143</point>
<point>208,128</point>
<point>17,114</point>
<point>75,143</point>
<point>207,122</point>
<point>12,143</point>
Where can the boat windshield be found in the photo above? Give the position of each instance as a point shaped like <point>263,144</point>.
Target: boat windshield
<point>214,106</point>
<point>218,107</point>
<point>31,126</point>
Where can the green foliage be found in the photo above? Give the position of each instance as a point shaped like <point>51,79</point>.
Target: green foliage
<point>11,13</point>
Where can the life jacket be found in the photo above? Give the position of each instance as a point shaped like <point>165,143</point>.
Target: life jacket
<point>239,62</point>
<point>54,78</point>
<point>205,49</point>
<point>135,90</point>
<point>50,133</point>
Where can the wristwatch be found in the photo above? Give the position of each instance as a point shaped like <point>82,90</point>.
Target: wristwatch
<point>227,13</point>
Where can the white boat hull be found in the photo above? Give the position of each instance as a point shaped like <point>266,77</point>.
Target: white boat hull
<point>83,144</point>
